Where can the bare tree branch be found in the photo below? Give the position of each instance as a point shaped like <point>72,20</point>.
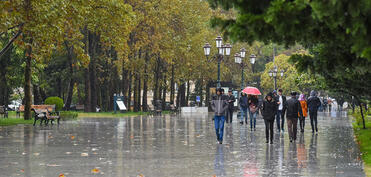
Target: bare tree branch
<point>7,46</point>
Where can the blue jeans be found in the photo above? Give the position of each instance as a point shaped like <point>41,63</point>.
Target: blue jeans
<point>219,127</point>
<point>243,114</point>
<point>253,117</point>
<point>278,117</point>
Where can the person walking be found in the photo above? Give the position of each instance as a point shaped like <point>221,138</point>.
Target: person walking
<point>281,108</point>
<point>304,108</point>
<point>269,111</point>
<point>313,104</point>
<point>253,110</point>
<point>293,112</point>
<point>219,105</point>
<point>231,100</point>
<point>243,107</point>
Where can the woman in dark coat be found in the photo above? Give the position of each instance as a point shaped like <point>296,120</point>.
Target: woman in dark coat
<point>269,111</point>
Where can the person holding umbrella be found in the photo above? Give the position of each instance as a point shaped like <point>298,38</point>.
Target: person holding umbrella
<point>253,110</point>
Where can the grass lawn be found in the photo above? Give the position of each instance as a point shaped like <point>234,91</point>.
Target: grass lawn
<point>364,140</point>
<point>112,114</point>
<point>14,121</point>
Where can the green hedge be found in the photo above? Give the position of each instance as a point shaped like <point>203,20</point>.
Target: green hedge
<point>67,115</point>
<point>58,102</point>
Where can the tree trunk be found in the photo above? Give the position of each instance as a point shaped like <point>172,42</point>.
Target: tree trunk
<point>36,95</point>
<point>363,117</point>
<point>188,92</point>
<point>164,95</point>
<point>92,70</point>
<point>87,105</point>
<point>71,74</point>
<point>129,90</point>
<point>157,77</point>
<point>182,96</point>
<point>145,83</point>
<point>172,85</point>
<point>27,86</point>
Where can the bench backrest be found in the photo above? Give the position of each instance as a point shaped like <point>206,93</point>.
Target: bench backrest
<point>50,108</point>
<point>80,107</point>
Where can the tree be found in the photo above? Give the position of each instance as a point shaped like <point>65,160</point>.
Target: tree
<point>334,31</point>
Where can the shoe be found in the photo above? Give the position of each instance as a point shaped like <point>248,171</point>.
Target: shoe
<point>290,140</point>
<point>267,141</point>
<point>302,131</point>
<point>254,129</point>
<point>221,142</point>
<point>271,142</point>
<point>316,130</point>
<point>251,129</point>
<point>241,123</point>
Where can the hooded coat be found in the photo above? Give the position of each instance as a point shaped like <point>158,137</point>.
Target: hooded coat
<point>313,102</point>
<point>269,109</point>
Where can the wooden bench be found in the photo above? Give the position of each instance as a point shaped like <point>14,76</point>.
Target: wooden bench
<point>151,110</point>
<point>80,107</point>
<point>4,111</point>
<point>44,113</point>
<point>174,109</point>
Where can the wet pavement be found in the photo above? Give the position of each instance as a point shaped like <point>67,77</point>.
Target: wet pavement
<point>176,146</point>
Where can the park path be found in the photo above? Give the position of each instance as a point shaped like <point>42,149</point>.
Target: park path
<point>176,146</point>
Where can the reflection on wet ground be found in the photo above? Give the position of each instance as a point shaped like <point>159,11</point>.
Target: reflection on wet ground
<point>176,146</point>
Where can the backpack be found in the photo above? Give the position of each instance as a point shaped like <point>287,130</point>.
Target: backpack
<point>253,108</point>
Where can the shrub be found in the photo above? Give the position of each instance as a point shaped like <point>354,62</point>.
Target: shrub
<point>66,115</point>
<point>58,102</point>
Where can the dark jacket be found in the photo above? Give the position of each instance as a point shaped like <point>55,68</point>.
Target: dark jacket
<point>313,102</point>
<point>219,105</point>
<point>244,102</point>
<point>231,100</point>
<point>269,109</point>
<point>293,109</point>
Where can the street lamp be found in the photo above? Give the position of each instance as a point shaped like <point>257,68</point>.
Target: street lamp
<point>273,73</point>
<point>223,50</point>
<point>207,47</point>
<point>252,61</point>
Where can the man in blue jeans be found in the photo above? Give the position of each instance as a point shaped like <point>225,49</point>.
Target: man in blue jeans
<point>281,108</point>
<point>219,105</point>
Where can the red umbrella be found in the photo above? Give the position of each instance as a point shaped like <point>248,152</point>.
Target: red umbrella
<point>251,91</point>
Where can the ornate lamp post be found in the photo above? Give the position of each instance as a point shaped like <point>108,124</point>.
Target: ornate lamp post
<point>273,73</point>
<point>223,50</point>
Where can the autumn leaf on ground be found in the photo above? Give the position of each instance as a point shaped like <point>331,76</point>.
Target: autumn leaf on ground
<point>140,175</point>
<point>72,137</point>
<point>22,170</point>
<point>61,175</point>
<point>95,170</point>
